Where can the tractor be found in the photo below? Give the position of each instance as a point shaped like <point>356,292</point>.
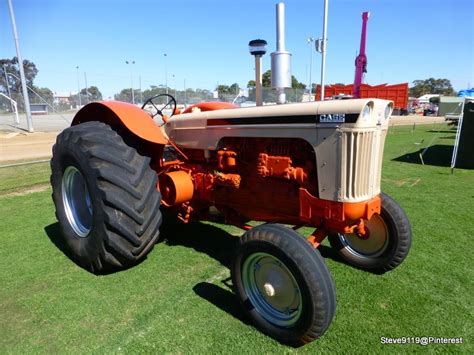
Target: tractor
<point>118,169</point>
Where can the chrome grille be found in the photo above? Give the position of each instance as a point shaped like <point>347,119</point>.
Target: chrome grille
<point>361,162</point>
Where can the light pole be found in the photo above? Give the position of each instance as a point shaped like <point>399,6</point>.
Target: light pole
<point>166,72</point>
<point>258,48</point>
<point>174,84</point>
<point>87,89</point>
<point>78,86</point>
<point>310,41</point>
<point>131,62</point>
<point>323,47</point>
<point>140,86</point>
<point>29,120</point>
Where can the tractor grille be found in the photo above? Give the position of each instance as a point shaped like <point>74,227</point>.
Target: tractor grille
<point>362,153</point>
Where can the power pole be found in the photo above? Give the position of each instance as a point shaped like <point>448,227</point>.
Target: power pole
<point>29,121</point>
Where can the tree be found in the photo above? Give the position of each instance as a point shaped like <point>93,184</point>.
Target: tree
<point>11,66</point>
<point>198,95</point>
<point>45,93</point>
<point>234,89</point>
<point>295,84</point>
<point>93,93</point>
<point>228,93</point>
<point>431,86</point>
<point>152,91</point>
<point>267,81</point>
<point>124,95</point>
<point>223,91</point>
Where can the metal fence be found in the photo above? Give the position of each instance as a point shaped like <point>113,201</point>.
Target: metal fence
<point>50,104</point>
<point>243,97</point>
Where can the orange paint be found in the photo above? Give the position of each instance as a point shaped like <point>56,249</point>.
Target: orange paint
<point>226,159</point>
<point>264,179</point>
<point>176,187</point>
<point>334,216</point>
<point>317,237</point>
<point>132,117</point>
<point>280,166</point>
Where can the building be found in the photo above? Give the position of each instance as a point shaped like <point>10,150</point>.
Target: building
<point>62,97</point>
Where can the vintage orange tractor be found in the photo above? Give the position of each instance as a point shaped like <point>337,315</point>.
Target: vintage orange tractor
<point>314,164</point>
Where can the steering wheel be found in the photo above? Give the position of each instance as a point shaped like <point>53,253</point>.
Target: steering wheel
<point>170,102</point>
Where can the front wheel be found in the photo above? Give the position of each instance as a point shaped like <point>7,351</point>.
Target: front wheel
<point>387,244</point>
<point>283,284</point>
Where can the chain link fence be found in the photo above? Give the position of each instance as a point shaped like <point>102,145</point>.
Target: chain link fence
<point>191,97</point>
<point>44,103</point>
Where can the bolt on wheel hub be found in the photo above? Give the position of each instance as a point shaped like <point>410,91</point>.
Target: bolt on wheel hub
<point>269,290</point>
<point>272,289</point>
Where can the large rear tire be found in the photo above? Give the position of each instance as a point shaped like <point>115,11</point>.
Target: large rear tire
<point>388,243</point>
<point>283,284</point>
<point>106,199</point>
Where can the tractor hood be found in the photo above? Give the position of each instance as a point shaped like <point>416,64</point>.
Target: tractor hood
<point>203,130</point>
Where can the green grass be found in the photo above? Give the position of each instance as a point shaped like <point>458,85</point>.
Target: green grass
<point>179,300</point>
<point>15,178</point>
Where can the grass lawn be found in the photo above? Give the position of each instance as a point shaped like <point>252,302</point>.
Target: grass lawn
<point>179,300</point>
<point>17,178</point>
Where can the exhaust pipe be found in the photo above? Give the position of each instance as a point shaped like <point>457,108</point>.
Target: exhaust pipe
<point>281,59</point>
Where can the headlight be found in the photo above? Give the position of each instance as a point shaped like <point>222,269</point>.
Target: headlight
<point>366,112</point>
<point>388,111</point>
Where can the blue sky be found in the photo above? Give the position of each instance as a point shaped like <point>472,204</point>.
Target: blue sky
<point>206,41</point>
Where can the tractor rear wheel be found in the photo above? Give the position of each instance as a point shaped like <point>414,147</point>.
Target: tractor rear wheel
<point>283,284</point>
<point>388,242</point>
<point>106,199</point>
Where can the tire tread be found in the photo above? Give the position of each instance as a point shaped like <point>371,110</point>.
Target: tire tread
<point>126,184</point>
<point>318,279</point>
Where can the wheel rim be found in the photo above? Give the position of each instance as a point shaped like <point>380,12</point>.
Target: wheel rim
<point>272,289</point>
<point>374,245</point>
<point>77,201</point>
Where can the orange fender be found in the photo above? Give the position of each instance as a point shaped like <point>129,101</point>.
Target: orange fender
<point>133,118</point>
<point>210,106</point>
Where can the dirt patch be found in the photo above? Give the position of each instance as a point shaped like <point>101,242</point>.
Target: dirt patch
<point>410,182</point>
<point>31,146</point>
<point>25,190</point>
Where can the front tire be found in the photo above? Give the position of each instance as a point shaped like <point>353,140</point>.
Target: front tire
<point>106,199</point>
<point>388,243</point>
<point>283,284</point>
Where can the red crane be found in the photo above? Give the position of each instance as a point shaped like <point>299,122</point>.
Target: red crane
<point>361,59</point>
